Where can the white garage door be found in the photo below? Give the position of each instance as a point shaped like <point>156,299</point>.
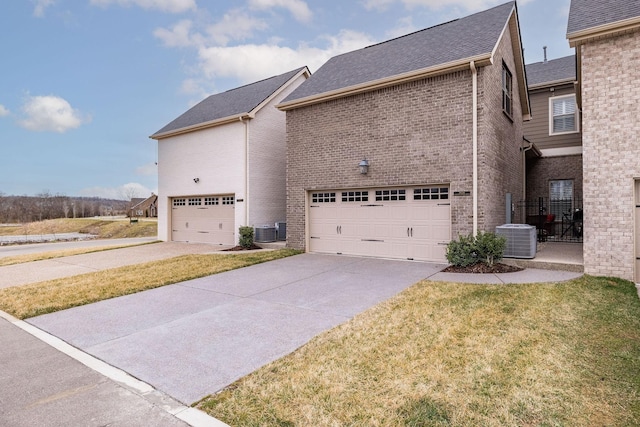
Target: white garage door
<point>407,223</point>
<point>203,219</point>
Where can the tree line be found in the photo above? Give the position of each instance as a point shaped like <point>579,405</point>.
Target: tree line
<point>24,209</point>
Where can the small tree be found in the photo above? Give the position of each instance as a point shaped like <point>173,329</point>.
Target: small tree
<point>490,247</point>
<point>246,236</point>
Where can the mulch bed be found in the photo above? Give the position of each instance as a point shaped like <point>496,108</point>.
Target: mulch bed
<point>483,268</point>
<point>242,248</point>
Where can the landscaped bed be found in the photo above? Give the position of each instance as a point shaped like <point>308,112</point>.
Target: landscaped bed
<point>451,354</point>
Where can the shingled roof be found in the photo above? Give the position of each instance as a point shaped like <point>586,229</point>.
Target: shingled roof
<point>554,71</point>
<point>456,42</point>
<point>591,14</point>
<point>230,104</point>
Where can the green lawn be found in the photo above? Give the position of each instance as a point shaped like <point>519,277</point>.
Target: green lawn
<point>451,354</point>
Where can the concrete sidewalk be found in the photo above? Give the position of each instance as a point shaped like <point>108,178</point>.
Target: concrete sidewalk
<point>37,271</point>
<point>42,386</point>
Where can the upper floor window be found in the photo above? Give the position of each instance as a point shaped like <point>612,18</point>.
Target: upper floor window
<point>563,115</point>
<point>507,91</point>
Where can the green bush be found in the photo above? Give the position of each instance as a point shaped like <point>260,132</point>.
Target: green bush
<point>461,252</point>
<point>246,236</point>
<point>490,247</point>
<point>487,248</point>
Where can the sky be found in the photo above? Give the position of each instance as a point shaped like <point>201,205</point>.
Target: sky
<point>85,82</point>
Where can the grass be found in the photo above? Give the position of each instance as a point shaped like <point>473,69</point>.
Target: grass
<point>104,229</point>
<point>54,295</point>
<point>450,354</point>
<point>19,259</point>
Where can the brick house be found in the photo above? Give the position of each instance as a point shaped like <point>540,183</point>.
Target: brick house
<point>606,36</point>
<point>221,164</point>
<point>144,208</point>
<point>394,149</point>
<point>554,157</point>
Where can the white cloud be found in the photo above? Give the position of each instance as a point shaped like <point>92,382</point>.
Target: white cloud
<point>178,36</point>
<point>3,111</point>
<point>124,192</point>
<point>171,6</point>
<point>50,113</point>
<point>235,25</point>
<point>252,62</point>
<point>41,5</point>
<point>298,8</point>
<point>150,169</point>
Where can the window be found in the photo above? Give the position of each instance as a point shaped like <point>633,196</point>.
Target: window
<point>179,202</point>
<point>563,115</point>
<point>228,200</point>
<point>355,196</point>
<point>195,201</point>
<point>211,201</point>
<point>435,193</point>
<point>384,195</point>
<point>323,197</point>
<point>507,91</point>
<point>560,197</point>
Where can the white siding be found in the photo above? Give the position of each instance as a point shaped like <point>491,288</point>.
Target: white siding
<point>216,156</point>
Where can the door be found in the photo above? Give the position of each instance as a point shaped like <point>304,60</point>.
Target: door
<point>405,223</point>
<point>203,219</point>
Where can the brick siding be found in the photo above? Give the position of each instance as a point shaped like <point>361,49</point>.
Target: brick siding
<point>416,133</point>
<point>542,170</point>
<point>610,108</point>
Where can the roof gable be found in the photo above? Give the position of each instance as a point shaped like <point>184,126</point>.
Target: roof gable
<point>592,16</point>
<point>474,37</point>
<point>242,101</point>
<point>560,70</point>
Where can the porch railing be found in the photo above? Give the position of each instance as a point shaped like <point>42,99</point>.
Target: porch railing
<point>555,220</point>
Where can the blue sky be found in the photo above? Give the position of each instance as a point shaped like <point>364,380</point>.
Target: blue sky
<point>85,82</point>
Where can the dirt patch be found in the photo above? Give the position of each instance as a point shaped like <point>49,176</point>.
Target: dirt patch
<point>242,248</point>
<point>481,268</point>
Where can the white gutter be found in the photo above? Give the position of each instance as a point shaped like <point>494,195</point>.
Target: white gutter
<point>212,123</point>
<point>474,74</point>
<point>524,167</point>
<point>246,171</point>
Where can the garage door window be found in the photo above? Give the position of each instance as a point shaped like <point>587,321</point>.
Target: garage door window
<point>228,200</point>
<point>386,195</point>
<point>355,196</point>
<point>179,202</point>
<point>211,201</point>
<point>195,201</point>
<point>323,197</point>
<point>433,193</point>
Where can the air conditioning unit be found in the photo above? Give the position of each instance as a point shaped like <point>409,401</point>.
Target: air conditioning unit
<point>521,240</point>
<point>265,234</point>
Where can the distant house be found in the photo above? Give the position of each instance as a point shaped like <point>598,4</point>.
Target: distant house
<point>144,208</point>
<point>394,149</point>
<point>221,164</point>
<point>554,159</point>
<point>606,36</point>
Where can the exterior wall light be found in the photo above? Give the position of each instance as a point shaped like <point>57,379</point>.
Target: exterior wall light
<point>364,166</point>
<point>196,180</point>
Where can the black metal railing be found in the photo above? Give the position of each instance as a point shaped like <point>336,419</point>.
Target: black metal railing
<point>555,220</point>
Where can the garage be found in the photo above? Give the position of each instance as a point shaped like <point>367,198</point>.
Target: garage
<point>203,219</point>
<point>406,223</point>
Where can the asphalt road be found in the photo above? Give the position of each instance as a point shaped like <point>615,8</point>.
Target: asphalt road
<point>34,248</point>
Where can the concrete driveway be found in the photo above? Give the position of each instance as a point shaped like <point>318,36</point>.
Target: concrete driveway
<point>194,338</point>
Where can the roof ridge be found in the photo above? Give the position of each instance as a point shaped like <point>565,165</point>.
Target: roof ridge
<point>263,80</point>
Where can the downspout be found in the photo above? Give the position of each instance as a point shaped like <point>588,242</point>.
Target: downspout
<point>524,167</point>
<point>246,170</point>
<point>474,75</point>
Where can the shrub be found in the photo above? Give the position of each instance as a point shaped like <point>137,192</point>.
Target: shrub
<point>246,236</point>
<point>490,247</point>
<point>487,248</point>
<point>461,252</point>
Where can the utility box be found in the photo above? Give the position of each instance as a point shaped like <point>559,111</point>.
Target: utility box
<point>265,234</point>
<point>521,240</point>
<point>281,231</point>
